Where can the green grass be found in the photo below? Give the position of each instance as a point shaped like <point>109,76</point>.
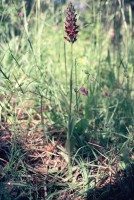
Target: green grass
<point>35,66</point>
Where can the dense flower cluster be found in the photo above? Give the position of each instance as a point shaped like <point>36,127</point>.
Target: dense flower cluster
<point>70,25</point>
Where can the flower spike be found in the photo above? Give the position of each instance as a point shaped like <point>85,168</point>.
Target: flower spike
<point>71,28</point>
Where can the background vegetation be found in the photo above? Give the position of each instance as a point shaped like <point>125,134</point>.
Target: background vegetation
<point>34,101</point>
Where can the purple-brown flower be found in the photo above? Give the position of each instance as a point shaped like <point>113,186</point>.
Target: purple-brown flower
<point>71,27</point>
<point>84,91</point>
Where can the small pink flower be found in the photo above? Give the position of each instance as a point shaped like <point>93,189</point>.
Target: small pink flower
<point>67,38</point>
<point>20,14</point>
<point>84,91</point>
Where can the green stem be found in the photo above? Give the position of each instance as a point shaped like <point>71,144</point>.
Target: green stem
<point>76,89</point>
<point>65,63</point>
<point>42,117</point>
<point>70,109</point>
